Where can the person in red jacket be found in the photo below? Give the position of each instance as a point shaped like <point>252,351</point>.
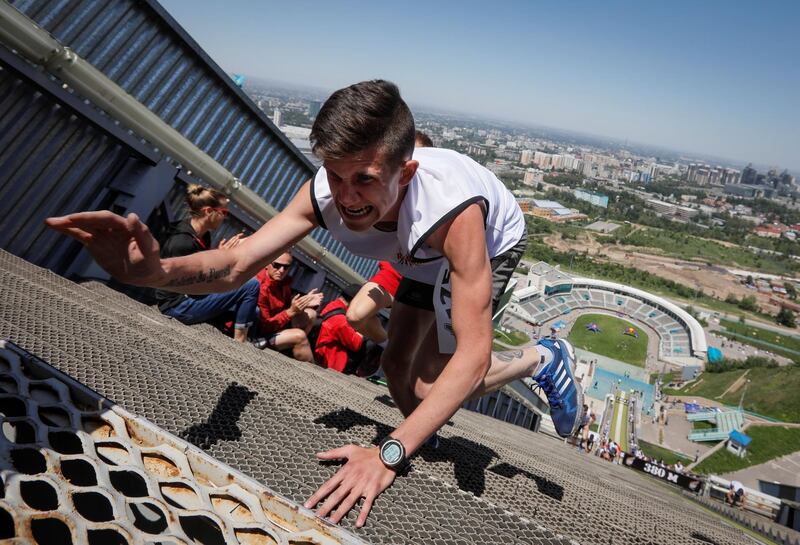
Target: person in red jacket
<point>339,346</point>
<point>284,320</point>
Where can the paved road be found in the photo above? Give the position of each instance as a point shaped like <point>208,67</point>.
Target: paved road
<point>784,470</point>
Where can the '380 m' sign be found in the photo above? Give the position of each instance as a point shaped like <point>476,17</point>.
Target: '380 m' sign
<point>689,483</point>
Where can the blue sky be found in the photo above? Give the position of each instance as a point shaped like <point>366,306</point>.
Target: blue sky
<point>711,77</point>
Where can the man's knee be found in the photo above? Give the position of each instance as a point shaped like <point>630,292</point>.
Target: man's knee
<point>305,319</point>
<point>298,337</point>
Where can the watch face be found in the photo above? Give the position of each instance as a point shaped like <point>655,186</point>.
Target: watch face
<point>392,452</point>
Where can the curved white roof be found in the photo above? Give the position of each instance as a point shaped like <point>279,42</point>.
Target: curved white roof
<point>696,333</point>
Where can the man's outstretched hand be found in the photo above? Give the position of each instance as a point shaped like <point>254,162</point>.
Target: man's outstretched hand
<point>363,476</point>
<point>122,246</point>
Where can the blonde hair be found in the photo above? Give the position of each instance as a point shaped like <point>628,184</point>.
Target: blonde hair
<point>199,196</point>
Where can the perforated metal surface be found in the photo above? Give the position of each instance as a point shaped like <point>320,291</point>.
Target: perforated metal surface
<point>76,469</point>
<point>266,416</point>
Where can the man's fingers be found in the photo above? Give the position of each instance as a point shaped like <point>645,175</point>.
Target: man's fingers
<point>334,499</point>
<point>323,491</point>
<point>101,219</point>
<point>365,509</point>
<point>79,234</point>
<point>346,505</point>
<point>335,454</point>
<point>147,243</point>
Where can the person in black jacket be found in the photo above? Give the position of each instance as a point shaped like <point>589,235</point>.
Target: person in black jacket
<point>207,210</point>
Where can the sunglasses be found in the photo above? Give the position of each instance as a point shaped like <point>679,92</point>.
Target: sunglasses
<point>223,211</point>
<point>276,265</point>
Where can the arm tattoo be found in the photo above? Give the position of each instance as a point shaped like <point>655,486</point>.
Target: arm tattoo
<point>200,277</point>
<point>508,355</point>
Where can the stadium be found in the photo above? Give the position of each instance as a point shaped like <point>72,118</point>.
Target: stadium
<point>123,426</point>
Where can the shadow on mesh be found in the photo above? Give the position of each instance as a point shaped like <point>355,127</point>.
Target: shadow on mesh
<point>222,424</point>
<point>545,486</point>
<point>470,459</point>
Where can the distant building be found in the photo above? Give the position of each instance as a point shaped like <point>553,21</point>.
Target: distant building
<point>276,117</point>
<point>313,108</point>
<point>749,191</point>
<point>553,211</point>
<point>544,160</point>
<point>661,207</point>
<point>532,176</point>
<point>526,157</point>
<point>770,230</point>
<point>748,175</point>
<point>686,213</point>
<point>730,176</point>
<point>593,197</point>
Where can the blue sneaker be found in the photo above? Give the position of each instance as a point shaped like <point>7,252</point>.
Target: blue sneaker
<point>557,381</point>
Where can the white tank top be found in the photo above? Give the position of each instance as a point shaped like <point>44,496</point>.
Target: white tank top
<point>446,183</point>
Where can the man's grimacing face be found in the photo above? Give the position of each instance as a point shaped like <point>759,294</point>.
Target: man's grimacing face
<point>365,190</point>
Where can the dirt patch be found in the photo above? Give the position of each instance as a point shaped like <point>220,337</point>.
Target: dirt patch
<point>737,384</point>
<point>713,280</point>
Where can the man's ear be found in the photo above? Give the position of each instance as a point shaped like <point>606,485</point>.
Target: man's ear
<point>409,169</point>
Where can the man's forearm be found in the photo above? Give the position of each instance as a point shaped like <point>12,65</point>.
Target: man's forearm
<point>212,271</point>
<point>462,375</point>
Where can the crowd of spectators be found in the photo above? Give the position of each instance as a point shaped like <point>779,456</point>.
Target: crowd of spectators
<point>346,335</point>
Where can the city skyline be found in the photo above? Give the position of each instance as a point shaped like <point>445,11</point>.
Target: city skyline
<point>714,79</point>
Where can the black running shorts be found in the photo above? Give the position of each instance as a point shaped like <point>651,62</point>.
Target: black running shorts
<point>420,295</point>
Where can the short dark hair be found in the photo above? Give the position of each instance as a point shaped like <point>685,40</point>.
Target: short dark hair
<point>363,115</point>
<point>422,140</point>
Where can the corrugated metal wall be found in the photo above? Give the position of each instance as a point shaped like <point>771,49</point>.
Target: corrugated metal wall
<point>139,46</point>
<point>50,161</point>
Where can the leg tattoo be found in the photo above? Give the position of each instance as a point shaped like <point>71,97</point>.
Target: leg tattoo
<point>508,355</point>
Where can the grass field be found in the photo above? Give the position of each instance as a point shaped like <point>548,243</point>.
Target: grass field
<point>771,392</point>
<point>667,456</point>
<point>623,433</point>
<point>708,385</point>
<point>769,442</point>
<point>784,345</point>
<point>702,425</point>
<point>685,246</point>
<point>610,341</point>
<point>514,338</point>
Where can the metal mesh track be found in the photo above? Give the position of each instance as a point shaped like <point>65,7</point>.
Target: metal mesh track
<point>266,415</point>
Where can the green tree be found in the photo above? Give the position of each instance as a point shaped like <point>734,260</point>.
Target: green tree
<point>748,303</point>
<point>786,318</point>
<point>791,291</point>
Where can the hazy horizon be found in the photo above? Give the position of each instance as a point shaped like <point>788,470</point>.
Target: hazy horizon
<point>712,79</point>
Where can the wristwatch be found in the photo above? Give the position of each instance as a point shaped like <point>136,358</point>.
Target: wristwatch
<point>392,452</point>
